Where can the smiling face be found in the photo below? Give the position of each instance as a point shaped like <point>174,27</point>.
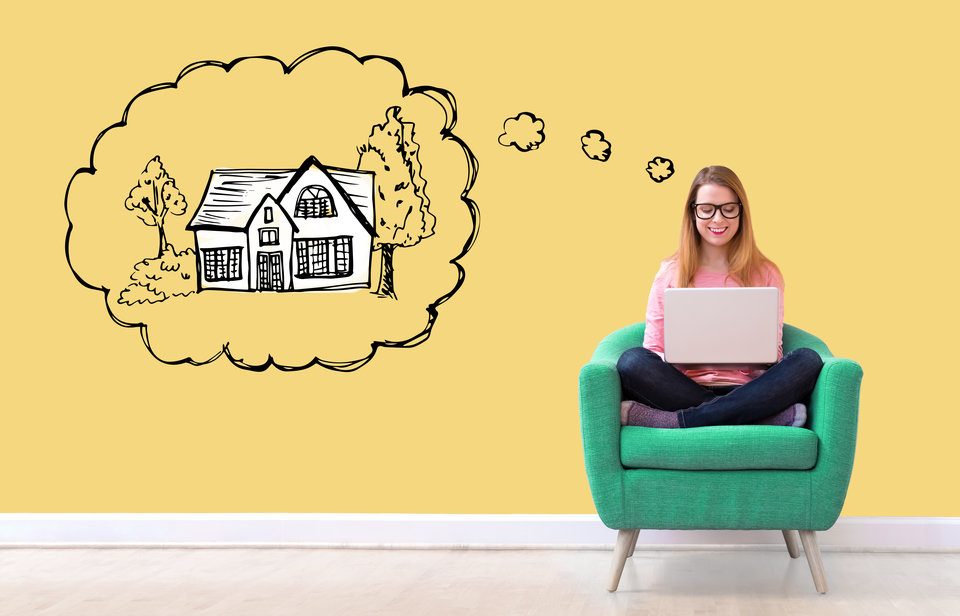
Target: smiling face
<point>717,195</point>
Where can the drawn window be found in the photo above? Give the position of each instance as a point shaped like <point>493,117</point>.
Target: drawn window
<point>328,257</point>
<point>269,236</point>
<point>268,214</point>
<point>221,264</point>
<point>314,202</point>
<point>342,262</point>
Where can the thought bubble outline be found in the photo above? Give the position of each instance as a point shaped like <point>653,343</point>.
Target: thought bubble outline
<point>660,160</point>
<point>442,97</point>
<point>591,137</point>
<point>533,120</point>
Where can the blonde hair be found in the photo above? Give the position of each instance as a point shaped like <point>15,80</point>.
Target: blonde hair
<point>744,258</point>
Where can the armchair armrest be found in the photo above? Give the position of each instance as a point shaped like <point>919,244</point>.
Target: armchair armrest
<point>834,406</point>
<point>600,430</point>
<point>600,423</point>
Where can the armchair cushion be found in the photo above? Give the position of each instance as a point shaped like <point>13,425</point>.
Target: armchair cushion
<point>719,448</point>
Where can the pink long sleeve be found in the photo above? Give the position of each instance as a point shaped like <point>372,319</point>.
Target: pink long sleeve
<point>653,334</point>
<point>774,279</point>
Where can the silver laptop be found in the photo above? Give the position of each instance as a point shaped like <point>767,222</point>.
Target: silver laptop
<point>721,327</point>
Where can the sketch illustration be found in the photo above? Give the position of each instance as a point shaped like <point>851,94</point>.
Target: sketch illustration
<point>595,145</point>
<point>403,213</point>
<point>285,230</point>
<point>524,131</point>
<point>660,169</point>
<point>171,273</point>
<point>154,197</point>
<point>309,228</point>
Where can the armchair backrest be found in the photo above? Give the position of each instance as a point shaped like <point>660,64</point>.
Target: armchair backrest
<point>795,338</point>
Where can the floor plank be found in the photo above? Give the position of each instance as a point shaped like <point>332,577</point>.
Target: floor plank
<point>276,581</point>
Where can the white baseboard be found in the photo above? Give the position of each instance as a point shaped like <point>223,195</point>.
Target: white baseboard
<point>440,531</point>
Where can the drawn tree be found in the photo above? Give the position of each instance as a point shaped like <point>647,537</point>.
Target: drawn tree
<point>155,196</point>
<point>402,207</point>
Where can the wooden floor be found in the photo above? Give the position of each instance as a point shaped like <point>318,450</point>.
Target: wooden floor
<point>261,582</point>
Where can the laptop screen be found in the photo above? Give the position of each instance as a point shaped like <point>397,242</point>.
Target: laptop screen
<point>722,326</point>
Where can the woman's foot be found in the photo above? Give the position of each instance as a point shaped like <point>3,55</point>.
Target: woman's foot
<point>635,414</point>
<point>794,415</point>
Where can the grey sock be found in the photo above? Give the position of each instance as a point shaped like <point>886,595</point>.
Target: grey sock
<point>643,415</point>
<point>794,415</point>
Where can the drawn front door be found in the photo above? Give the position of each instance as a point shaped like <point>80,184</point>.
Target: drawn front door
<point>269,271</point>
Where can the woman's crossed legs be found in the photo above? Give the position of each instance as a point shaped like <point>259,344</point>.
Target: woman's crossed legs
<point>646,378</point>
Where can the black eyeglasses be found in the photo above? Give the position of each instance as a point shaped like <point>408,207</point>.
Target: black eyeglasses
<point>705,211</point>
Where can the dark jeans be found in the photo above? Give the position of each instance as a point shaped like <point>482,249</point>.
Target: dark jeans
<point>646,378</point>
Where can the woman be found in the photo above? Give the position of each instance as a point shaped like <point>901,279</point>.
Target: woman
<point>717,248</point>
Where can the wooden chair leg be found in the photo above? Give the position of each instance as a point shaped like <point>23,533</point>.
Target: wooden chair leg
<point>633,542</point>
<point>620,551</point>
<point>812,550</point>
<point>793,544</point>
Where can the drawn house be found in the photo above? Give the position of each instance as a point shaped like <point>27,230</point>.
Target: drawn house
<point>301,229</point>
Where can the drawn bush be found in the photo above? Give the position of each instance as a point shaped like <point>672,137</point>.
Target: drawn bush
<point>172,274</point>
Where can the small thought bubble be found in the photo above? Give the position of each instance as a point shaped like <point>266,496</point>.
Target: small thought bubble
<point>523,131</point>
<point>595,145</point>
<point>660,169</point>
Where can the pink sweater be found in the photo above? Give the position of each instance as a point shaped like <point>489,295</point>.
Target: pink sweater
<point>653,335</point>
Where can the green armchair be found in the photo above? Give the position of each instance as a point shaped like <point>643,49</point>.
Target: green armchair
<point>720,477</point>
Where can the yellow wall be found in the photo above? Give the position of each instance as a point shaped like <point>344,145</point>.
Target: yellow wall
<point>841,121</point>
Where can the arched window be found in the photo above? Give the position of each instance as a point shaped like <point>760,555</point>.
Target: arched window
<point>314,202</point>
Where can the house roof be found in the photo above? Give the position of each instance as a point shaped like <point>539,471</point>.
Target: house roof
<point>233,195</point>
